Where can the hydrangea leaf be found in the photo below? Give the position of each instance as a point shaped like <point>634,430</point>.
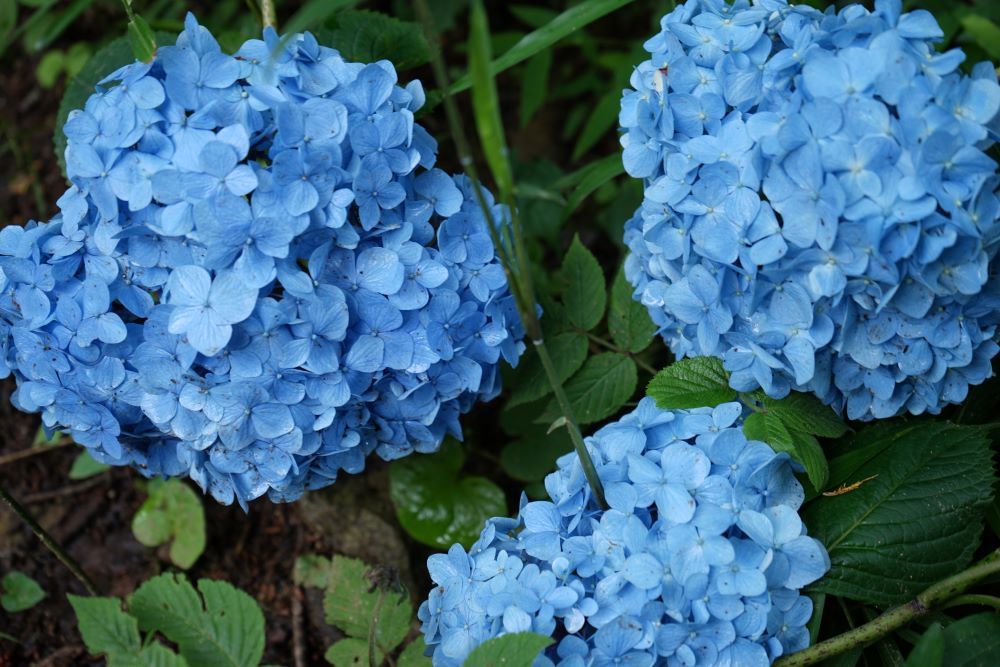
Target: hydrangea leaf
<point>109,631</point>
<point>973,641</point>
<point>801,446</point>
<point>530,459</point>
<point>18,592</point>
<point>172,512</point>
<point>311,570</point>
<point>604,384</point>
<point>929,650</point>
<point>916,518</point>
<point>352,594</point>
<point>413,654</point>
<point>512,650</point>
<point>568,351</point>
<point>436,505</point>
<point>350,652</point>
<point>216,626</point>
<point>85,466</point>
<point>628,321</point>
<point>585,296</point>
<point>691,383</point>
<point>368,36</point>
<point>806,413</point>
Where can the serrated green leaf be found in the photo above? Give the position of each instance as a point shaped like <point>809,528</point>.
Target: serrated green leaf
<point>367,36</point>
<point>511,650</point>
<point>172,512</point>
<point>916,520</point>
<point>413,654</point>
<point>311,570</point>
<point>141,39</point>
<point>530,381</point>
<point>985,32</point>
<point>585,294</point>
<point>929,651</point>
<point>19,592</point>
<point>485,104</point>
<point>805,412</point>
<point>561,26</point>
<point>105,628</point>
<point>628,320</point>
<point>597,174</point>
<point>768,428</point>
<point>351,597</point>
<point>221,627</point>
<point>350,652</point>
<point>438,507</point>
<point>111,56</point>
<point>973,641</point>
<point>535,84</point>
<point>807,451</point>
<point>531,459</point>
<point>604,384</point>
<point>698,382</point>
<point>85,466</point>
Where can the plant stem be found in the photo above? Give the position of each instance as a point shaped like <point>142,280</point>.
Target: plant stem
<point>268,15</point>
<point>973,599</point>
<point>33,451</point>
<point>614,348</point>
<point>48,541</point>
<point>515,265</point>
<point>935,595</point>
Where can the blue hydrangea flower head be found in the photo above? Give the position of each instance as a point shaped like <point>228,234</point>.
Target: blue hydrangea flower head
<point>698,560</point>
<point>257,277</point>
<point>819,210</point>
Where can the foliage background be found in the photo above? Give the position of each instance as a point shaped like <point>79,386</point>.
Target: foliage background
<point>560,113</point>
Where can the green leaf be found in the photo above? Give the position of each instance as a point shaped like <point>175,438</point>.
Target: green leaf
<point>973,641</point>
<point>351,599</point>
<point>929,651</point>
<point>558,28</point>
<point>535,84</point>
<point>597,174</point>
<point>41,440</point>
<point>806,413</point>
<point>436,505</point>
<point>312,15</point>
<point>172,511</point>
<point>985,32</point>
<point>141,38</point>
<point>628,320</point>
<point>600,120</point>
<point>531,459</point>
<point>513,650</point>
<point>367,36</point>
<point>599,390</point>
<point>768,428</point>
<point>803,447</point>
<point>698,382</point>
<point>413,654</point>
<point>350,652</point>
<point>221,627</point>
<point>50,67</point>
<point>18,592</point>
<point>8,17</point>
<point>916,521</point>
<point>530,381</point>
<point>114,54</point>
<point>105,628</point>
<point>585,294</point>
<point>485,104</point>
<point>311,570</point>
<point>85,466</point>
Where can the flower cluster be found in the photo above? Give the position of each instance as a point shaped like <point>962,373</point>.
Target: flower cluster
<point>257,277</point>
<point>698,561</point>
<point>819,211</point>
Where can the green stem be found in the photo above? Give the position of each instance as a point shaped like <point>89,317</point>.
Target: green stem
<point>973,599</point>
<point>614,348</point>
<point>268,15</point>
<point>48,541</point>
<point>892,620</point>
<point>515,267</point>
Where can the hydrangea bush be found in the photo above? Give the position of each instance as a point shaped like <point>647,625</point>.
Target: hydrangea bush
<point>698,560</point>
<point>257,277</point>
<point>819,208</point>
